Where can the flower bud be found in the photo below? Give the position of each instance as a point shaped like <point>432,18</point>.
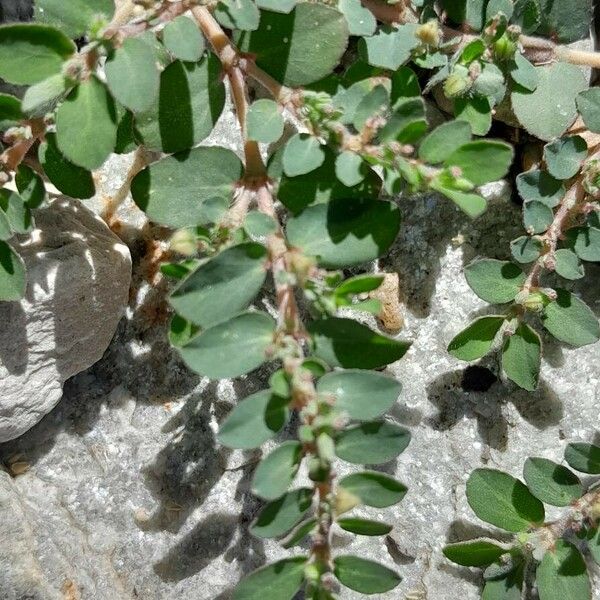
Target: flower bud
<point>504,48</point>
<point>183,242</point>
<point>429,33</point>
<point>458,83</point>
<point>535,302</point>
<point>345,501</point>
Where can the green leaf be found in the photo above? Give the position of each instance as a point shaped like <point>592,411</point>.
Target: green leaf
<point>364,576</point>
<point>362,395</point>
<point>350,168</point>
<point>583,457</point>
<point>237,14</point>
<point>568,265</point>
<point>265,123</point>
<point>551,483</point>
<point>17,213</point>
<point>390,47</point>
<point>232,348</point>
<point>494,281</point>
<point>276,472</point>
<point>503,501</point>
<point>407,123</point>
<point>182,38</point>
<point>594,546</point>
<point>476,111</point>
<point>277,581</point>
<point>585,241</point>
<point>588,103</point>
<point>346,343</point>
<point>187,188</point>
<point>132,75</point>
<point>405,84</point>
<point>562,574</point>
<point>75,16</point>
<point>472,205</point>
<point>548,111</point>
<point>471,12</point>
<point>254,420</point>
<point>222,286</point>
<point>258,225</point>
<point>300,47</point>
<point>10,111</point>
<point>523,72</point>
<point>359,284</point>
<point>374,488</point>
<point>180,330</point>
<point>527,14</point>
<point>32,52</point>
<point>191,99</point>
<point>473,553</point>
<point>70,179</point>
<point>482,161</point>
<point>477,339</point>
<point>565,156</point>
<point>87,114</point>
<point>444,140</point>
<point>30,185</point>
<point>537,217</point>
<point>566,21</point>
<point>371,443</point>
<point>299,533</point>
<point>360,19</point>
<point>374,103</point>
<point>302,154</point>
<point>12,274</point>
<point>504,587</point>
<point>521,356</point>
<point>571,320</point>
<point>364,526</point>
<point>42,98</point>
<point>125,139</point>
<point>526,249</point>
<point>540,186</point>
<point>346,232</point>
<point>490,84</point>
<point>283,6</point>
<point>279,516</point>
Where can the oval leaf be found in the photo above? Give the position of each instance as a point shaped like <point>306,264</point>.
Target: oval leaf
<point>182,38</point>
<point>482,161</point>
<point>521,356</point>
<point>277,581</point>
<point>562,574</point>
<point>279,516</point>
<point>494,281</point>
<point>265,123</point>
<point>371,443</point>
<point>583,457</point>
<point>473,553</point>
<point>364,576</point>
<point>374,488</point>
<point>276,472</point>
<point>363,526</point>
<point>12,274</point>
<point>551,483</point>
<point>477,339</point>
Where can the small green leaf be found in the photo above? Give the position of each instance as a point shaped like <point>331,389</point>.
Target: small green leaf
<point>300,47</point>
<point>585,241</point>
<point>30,185</point>
<point>180,330</point>
<point>87,114</point>
<point>258,225</point>
<point>551,483</point>
<point>364,526</point>
<point>374,103</point>
<point>10,111</point>
<point>473,553</point>
<point>201,181</point>
<point>565,156</point>
<point>444,140</point>
<point>526,249</point>
<point>254,420</point>
<point>265,123</point>
<point>132,75</point>
<point>537,217</point>
<point>232,348</point>
<point>362,395</point>
<point>31,52</point>
<point>527,14</point>
<point>523,72</point>
<point>482,161</point>
<point>405,84</point>
<point>390,47</point>
<point>539,186</point>
<point>503,501</point>
<point>571,320</point>
<point>504,587</point>
<point>238,14</point>
<point>364,576</point>
<point>75,16</point>
<point>346,343</point>
<point>583,457</point>
<point>283,6</point>
<point>350,168</point>
<point>548,111</point>
<point>594,546</point>
<point>521,356</point>
<point>477,339</point>
<point>12,274</point>
<point>588,103</point>
<point>222,286</point>
<point>277,581</point>
<point>42,98</point>
<point>360,19</point>
<point>568,265</point>
<point>359,284</point>
<point>562,574</point>
<point>182,38</point>
<point>299,533</point>
<point>190,101</point>
<point>347,232</point>
<point>374,488</point>
<point>70,179</point>
<point>494,281</point>
<point>17,213</point>
<point>476,111</point>
<point>302,154</point>
<point>490,84</point>
<point>276,472</point>
<point>371,443</point>
<point>472,205</point>
<point>279,516</point>
<point>407,123</point>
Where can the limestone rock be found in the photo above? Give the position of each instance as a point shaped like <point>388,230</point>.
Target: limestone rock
<point>78,282</point>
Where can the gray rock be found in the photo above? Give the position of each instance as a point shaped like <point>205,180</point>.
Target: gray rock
<point>78,281</point>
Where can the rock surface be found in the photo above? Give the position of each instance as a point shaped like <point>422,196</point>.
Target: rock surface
<point>78,283</point>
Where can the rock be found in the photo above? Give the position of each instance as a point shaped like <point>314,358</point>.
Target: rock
<point>78,281</point>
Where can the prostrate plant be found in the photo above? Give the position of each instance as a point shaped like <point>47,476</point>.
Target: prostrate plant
<point>549,556</point>
<point>151,78</point>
